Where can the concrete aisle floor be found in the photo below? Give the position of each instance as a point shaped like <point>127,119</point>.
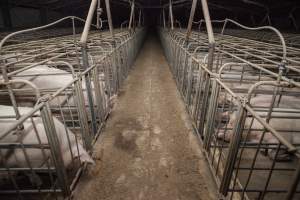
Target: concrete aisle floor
<point>148,150</point>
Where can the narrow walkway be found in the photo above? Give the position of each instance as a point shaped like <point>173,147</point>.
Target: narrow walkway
<point>148,150</point>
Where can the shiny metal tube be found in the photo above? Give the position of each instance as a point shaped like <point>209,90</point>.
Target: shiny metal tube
<point>171,15</point>
<point>190,23</point>
<point>110,22</point>
<point>87,25</point>
<point>131,20</point>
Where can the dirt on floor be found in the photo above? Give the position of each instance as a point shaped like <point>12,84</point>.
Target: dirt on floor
<point>148,150</point>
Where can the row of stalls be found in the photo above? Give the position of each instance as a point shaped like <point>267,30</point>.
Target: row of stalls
<point>242,95</point>
<point>55,97</point>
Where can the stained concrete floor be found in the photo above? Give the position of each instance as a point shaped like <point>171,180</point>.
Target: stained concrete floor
<point>148,150</point>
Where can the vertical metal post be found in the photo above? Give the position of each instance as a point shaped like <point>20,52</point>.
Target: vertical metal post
<point>131,15</point>
<point>269,20</point>
<point>164,18</point>
<point>189,28</point>
<point>111,28</point>
<point>233,151</point>
<point>83,43</point>
<point>89,87</point>
<point>224,26</point>
<point>74,40</point>
<point>211,49</point>
<point>140,18</point>
<point>10,92</point>
<point>98,14</point>
<point>109,18</point>
<point>294,21</point>
<point>171,15</point>
<point>143,20</point>
<point>82,115</point>
<point>53,140</point>
<point>211,114</point>
<point>133,20</point>
<point>296,181</point>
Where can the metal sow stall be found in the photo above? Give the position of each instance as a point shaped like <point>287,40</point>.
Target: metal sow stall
<point>55,99</point>
<point>243,98</point>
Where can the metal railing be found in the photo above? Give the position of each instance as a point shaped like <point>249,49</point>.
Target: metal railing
<point>75,97</point>
<point>244,110</point>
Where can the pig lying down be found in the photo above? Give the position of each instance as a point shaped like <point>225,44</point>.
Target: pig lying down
<point>52,79</point>
<point>289,128</point>
<point>30,135</point>
<point>33,134</point>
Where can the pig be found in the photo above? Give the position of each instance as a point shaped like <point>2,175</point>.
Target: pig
<point>28,135</point>
<point>57,79</point>
<point>291,127</point>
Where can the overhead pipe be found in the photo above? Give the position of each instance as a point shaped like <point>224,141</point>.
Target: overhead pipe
<point>164,17</point>
<point>88,22</point>
<point>99,12</point>
<point>210,33</point>
<point>131,15</point>
<point>140,18</point>
<point>190,24</point>
<point>109,18</point>
<point>171,15</point>
<point>255,3</point>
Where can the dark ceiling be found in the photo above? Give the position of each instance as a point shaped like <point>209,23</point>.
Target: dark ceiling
<point>282,13</point>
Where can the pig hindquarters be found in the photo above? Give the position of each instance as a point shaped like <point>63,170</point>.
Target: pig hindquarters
<point>31,135</point>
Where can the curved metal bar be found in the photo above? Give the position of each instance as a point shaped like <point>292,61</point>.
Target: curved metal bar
<point>213,21</point>
<point>273,83</point>
<point>38,28</point>
<point>196,49</point>
<point>122,24</point>
<point>226,65</point>
<point>67,64</point>
<point>26,82</point>
<point>190,44</point>
<point>179,24</point>
<point>278,33</point>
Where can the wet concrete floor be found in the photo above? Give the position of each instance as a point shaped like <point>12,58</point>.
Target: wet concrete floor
<point>148,150</point>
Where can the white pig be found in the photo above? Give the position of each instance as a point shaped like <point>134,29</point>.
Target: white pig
<point>16,158</point>
<point>57,79</point>
<point>289,128</point>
